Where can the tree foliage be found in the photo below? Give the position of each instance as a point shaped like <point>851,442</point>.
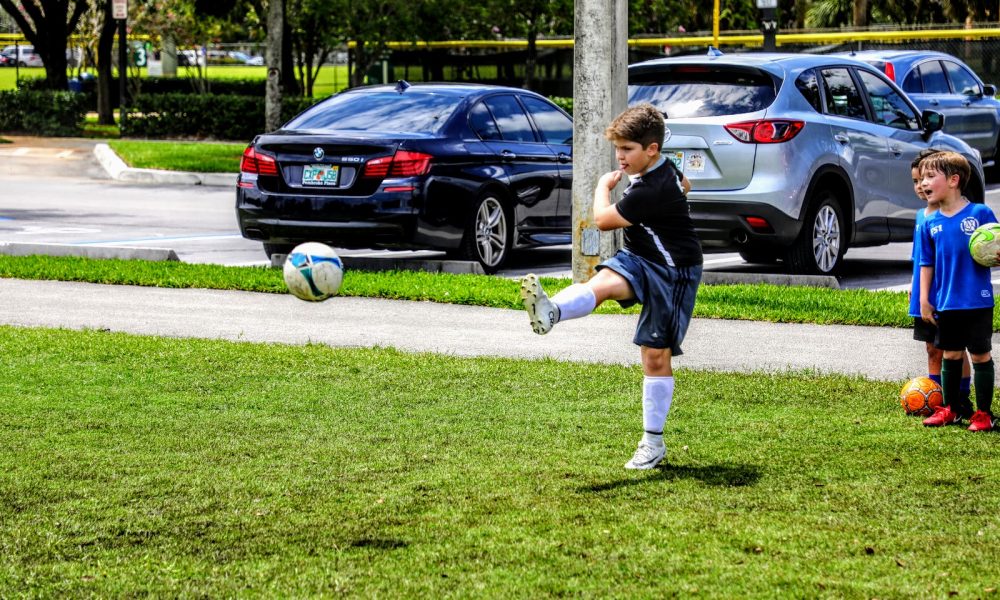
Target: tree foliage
<point>47,24</point>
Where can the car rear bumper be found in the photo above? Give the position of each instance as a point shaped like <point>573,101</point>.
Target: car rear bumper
<point>730,226</point>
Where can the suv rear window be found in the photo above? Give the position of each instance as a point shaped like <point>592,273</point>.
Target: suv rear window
<point>702,91</point>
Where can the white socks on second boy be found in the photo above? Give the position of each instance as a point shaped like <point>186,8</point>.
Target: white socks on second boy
<point>576,301</point>
<point>657,394</point>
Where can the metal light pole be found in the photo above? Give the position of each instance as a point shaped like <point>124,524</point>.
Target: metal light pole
<point>769,23</point>
<point>119,12</point>
<point>600,81</point>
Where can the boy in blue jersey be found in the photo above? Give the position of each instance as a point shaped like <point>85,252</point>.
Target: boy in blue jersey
<point>924,331</point>
<point>659,267</point>
<point>962,304</point>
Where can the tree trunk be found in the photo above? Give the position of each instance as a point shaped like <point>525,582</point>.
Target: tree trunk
<point>530,59</point>
<point>105,42</point>
<point>275,31</point>
<point>860,13</point>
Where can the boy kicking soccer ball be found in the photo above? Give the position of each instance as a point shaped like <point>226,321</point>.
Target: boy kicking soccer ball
<point>659,267</point>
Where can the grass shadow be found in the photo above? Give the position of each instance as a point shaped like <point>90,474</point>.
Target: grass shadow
<point>714,475</point>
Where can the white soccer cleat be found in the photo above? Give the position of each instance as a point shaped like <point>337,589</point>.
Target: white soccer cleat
<point>541,311</point>
<point>646,456</point>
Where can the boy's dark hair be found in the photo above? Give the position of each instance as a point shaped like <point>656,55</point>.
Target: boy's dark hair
<point>922,155</point>
<point>949,163</point>
<point>641,123</point>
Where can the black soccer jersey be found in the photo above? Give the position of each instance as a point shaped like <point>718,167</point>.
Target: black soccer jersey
<point>661,229</point>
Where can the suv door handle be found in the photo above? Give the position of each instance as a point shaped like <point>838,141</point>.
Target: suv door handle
<point>895,150</point>
<point>842,138</point>
<point>564,158</point>
<point>507,156</point>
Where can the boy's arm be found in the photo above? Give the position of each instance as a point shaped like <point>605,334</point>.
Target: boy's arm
<point>926,308</point>
<point>685,184</point>
<point>606,216</point>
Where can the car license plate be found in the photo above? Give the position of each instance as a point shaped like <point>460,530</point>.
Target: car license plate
<point>675,157</point>
<point>320,174</point>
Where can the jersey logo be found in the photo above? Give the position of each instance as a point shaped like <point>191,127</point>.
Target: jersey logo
<point>936,229</point>
<point>969,224</point>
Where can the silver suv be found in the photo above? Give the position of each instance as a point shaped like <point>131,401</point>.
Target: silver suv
<point>793,157</point>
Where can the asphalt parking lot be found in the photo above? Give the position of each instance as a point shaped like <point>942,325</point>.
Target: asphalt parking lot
<point>57,192</point>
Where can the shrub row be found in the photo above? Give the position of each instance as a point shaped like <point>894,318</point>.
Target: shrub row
<point>223,117</point>
<point>42,112</point>
<point>167,85</point>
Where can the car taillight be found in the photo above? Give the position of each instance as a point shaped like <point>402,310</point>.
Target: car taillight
<point>402,164</point>
<point>410,164</point>
<point>890,71</point>
<point>258,163</point>
<point>765,131</point>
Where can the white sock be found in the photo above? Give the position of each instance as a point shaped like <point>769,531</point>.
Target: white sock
<point>657,394</point>
<point>576,301</point>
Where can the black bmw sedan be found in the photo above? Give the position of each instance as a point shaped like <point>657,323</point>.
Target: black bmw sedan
<point>473,170</point>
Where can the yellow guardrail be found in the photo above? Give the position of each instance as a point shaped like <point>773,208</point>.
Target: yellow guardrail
<point>747,39</point>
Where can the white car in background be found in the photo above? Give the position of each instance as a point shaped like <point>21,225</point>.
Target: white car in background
<point>24,56</point>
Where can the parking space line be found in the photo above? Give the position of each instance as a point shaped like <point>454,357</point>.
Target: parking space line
<point>185,238</point>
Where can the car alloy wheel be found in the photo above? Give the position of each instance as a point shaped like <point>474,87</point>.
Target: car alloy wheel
<point>826,238</point>
<point>488,235</point>
<point>491,232</point>
<point>820,247</point>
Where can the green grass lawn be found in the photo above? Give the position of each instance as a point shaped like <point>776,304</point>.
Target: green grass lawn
<point>331,78</point>
<point>139,466</point>
<point>202,157</point>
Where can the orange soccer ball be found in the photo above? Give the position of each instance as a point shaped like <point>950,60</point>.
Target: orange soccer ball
<point>920,396</point>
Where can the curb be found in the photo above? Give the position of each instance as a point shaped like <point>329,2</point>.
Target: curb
<point>117,169</point>
<point>123,253</point>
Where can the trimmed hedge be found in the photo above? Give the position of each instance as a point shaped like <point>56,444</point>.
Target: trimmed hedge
<point>42,112</point>
<point>223,117</point>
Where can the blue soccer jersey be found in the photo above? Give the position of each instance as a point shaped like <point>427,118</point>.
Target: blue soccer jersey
<point>962,283</point>
<point>915,257</point>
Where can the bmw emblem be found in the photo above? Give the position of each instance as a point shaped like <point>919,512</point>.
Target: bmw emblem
<point>318,153</point>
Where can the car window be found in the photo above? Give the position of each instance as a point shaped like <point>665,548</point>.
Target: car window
<point>411,112</point>
<point>698,91</point>
<point>556,127</point>
<point>932,78</point>
<point>842,97</point>
<point>912,83</point>
<point>962,81</point>
<point>890,108</point>
<point>808,86</point>
<point>513,123</point>
<point>482,123</point>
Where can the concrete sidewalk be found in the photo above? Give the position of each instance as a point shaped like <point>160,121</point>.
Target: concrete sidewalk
<point>740,346</point>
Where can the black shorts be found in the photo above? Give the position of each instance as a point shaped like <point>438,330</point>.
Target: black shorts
<point>970,330</point>
<point>667,295</point>
<point>924,331</point>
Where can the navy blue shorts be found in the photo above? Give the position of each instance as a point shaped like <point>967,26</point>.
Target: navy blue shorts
<point>666,294</point>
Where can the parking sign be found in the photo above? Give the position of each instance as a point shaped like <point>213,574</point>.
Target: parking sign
<point>119,9</point>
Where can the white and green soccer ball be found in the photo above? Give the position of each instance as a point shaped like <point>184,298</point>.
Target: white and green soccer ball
<point>313,272</point>
<point>984,244</point>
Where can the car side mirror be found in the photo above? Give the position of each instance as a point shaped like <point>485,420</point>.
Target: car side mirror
<point>989,90</point>
<point>933,121</point>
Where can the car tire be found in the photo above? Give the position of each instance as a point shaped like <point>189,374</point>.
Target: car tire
<point>272,249</point>
<point>489,233</point>
<point>975,191</point>
<point>820,247</point>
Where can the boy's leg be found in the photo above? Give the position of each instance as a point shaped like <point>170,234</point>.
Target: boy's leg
<point>577,300</point>
<point>983,373</point>
<point>657,396</point>
<point>934,356</point>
